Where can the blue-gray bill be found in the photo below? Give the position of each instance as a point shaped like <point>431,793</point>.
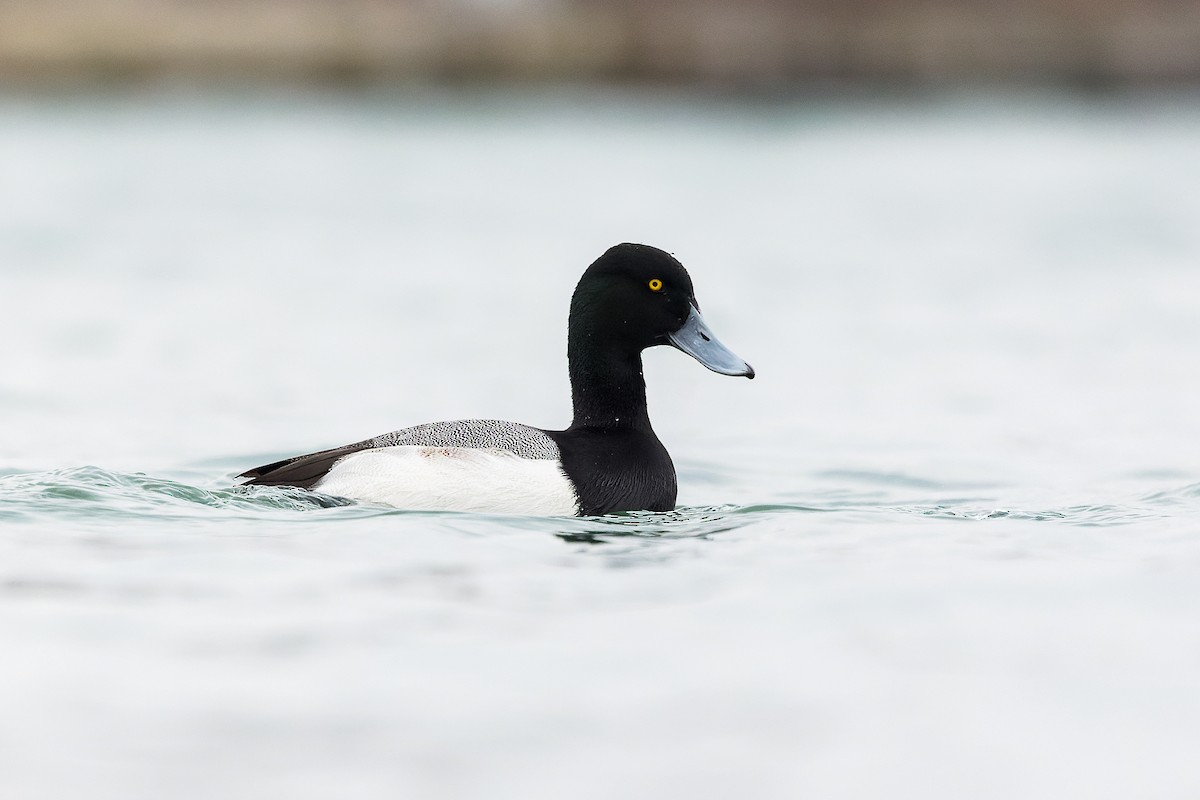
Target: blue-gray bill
<point>695,339</point>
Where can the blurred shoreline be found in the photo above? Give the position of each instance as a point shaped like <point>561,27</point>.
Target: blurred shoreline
<point>754,43</point>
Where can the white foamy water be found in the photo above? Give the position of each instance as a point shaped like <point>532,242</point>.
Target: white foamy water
<point>947,544</point>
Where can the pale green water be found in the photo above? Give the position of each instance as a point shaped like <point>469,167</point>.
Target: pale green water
<point>946,545</point>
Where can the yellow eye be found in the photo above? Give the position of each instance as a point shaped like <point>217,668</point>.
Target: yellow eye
<point>655,285</point>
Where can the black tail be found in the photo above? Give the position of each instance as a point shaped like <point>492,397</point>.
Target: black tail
<point>301,471</point>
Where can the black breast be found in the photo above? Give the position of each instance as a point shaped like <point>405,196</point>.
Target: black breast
<point>617,470</point>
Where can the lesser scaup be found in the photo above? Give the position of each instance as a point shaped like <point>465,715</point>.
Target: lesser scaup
<point>633,297</point>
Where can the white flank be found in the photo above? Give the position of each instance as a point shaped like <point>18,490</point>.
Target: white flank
<point>452,479</point>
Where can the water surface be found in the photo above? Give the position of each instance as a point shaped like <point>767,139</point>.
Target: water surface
<point>947,544</point>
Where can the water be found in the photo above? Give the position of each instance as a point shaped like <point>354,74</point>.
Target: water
<point>946,545</point>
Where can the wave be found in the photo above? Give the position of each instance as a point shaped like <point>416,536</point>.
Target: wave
<point>93,492</point>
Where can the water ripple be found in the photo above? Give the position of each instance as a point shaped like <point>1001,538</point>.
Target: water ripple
<point>92,491</point>
<point>102,494</point>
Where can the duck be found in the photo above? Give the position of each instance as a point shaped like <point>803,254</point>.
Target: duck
<point>609,460</point>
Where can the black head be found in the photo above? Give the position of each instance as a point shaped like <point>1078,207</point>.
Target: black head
<point>637,296</point>
<point>634,293</point>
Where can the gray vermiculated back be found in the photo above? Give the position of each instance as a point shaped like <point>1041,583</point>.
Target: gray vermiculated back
<point>520,440</point>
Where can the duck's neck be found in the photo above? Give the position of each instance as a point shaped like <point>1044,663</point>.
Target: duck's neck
<point>607,387</point>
